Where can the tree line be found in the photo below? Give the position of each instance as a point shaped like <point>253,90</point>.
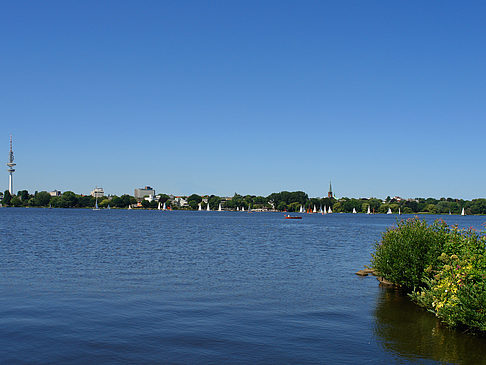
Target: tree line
<point>282,201</point>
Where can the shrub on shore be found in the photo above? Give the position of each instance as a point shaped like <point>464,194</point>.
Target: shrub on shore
<point>443,268</point>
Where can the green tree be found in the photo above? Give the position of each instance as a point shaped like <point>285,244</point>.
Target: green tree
<point>163,198</point>
<point>23,195</point>
<point>214,202</point>
<point>7,197</point>
<point>68,199</point>
<point>42,199</point>
<point>282,206</point>
<point>194,200</point>
<point>294,207</point>
<point>16,202</point>
<point>145,204</point>
<point>86,201</point>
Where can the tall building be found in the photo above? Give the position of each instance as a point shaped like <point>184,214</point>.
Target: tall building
<point>145,191</point>
<point>329,194</point>
<point>11,170</point>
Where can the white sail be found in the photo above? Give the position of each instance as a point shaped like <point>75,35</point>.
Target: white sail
<point>450,212</point>
<point>301,209</point>
<point>325,210</point>
<point>314,210</point>
<point>207,207</point>
<point>463,213</point>
<point>369,210</point>
<point>399,211</point>
<point>159,206</point>
<point>249,208</point>
<point>108,207</point>
<point>242,209</point>
<point>219,208</point>
<point>199,207</point>
<point>129,206</point>
<point>164,207</point>
<point>237,209</point>
<point>354,210</point>
<point>389,211</point>
<point>320,209</point>
<point>329,211</point>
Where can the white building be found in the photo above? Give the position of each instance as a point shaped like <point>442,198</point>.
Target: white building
<point>97,193</point>
<point>55,193</point>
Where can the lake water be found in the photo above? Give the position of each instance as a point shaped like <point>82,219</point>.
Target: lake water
<point>118,286</point>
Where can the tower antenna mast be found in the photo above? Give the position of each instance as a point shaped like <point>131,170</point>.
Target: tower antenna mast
<point>11,170</point>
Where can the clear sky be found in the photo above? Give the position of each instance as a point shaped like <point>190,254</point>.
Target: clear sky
<point>216,97</point>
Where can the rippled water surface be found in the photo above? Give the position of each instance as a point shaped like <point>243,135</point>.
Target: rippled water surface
<point>117,286</point>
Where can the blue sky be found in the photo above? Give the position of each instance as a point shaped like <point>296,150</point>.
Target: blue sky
<point>216,97</point>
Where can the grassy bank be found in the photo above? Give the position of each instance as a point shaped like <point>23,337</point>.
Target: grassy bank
<point>441,267</point>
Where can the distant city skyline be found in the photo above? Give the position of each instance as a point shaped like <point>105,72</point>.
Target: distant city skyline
<point>247,97</point>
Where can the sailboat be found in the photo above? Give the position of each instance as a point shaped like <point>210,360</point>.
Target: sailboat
<point>237,209</point>
<point>389,211</point>
<point>314,210</point>
<point>325,210</point>
<point>207,207</point>
<point>301,209</point>
<point>354,210</point>
<point>369,210</point>
<point>108,207</point>
<point>164,207</point>
<point>463,213</point>
<point>129,206</point>
<point>199,207</point>
<point>158,206</point>
<point>219,208</point>
<point>249,208</point>
<point>329,211</point>
<point>320,209</point>
<point>450,212</point>
<point>399,211</point>
<point>96,204</point>
<point>242,209</point>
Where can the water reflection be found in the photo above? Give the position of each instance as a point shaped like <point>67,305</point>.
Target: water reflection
<point>410,332</point>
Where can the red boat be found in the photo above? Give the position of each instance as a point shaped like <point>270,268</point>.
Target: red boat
<point>290,217</point>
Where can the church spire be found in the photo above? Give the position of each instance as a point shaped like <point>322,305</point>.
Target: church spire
<point>329,194</point>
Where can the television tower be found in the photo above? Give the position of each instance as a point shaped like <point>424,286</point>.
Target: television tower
<point>11,170</point>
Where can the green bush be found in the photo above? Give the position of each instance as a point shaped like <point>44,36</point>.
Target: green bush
<point>405,251</point>
<point>443,267</point>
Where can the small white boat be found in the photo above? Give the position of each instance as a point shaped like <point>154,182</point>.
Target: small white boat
<point>129,206</point>
<point>369,210</point>
<point>207,207</point>
<point>320,209</point>
<point>159,207</point>
<point>164,207</point>
<point>242,209</point>
<point>325,210</point>
<point>399,211</point>
<point>389,211</point>
<point>329,211</point>
<point>108,207</point>
<point>354,210</point>
<point>301,209</point>
<point>314,210</point>
<point>199,207</point>
<point>463,213</point>
<point>237,209</point>
<point>219,208</point>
